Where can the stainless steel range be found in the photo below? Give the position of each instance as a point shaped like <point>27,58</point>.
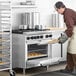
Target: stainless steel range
<point>30,48</point>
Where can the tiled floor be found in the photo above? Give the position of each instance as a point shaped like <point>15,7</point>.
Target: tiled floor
<point>32,71</point>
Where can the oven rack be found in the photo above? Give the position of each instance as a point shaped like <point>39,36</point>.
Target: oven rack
<point>37,56</point>
<point>6,37</point>
<point>36,50</point>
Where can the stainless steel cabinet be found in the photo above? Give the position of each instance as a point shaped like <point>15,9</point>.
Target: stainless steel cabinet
<point>56,48</point>
<point>22,47</point>
<point>59,50</point>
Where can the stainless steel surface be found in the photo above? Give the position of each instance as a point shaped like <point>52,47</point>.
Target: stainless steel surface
<point>42,62</point>
<point>28,53</point>
<point>38,27</point>
<point>28,2</point>
<point>55,19</point>
<point>30,19</point>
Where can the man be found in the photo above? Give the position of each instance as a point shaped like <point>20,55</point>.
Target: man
<point>69,16</point>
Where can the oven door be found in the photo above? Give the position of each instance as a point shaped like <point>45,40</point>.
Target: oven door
<point>42,62</point>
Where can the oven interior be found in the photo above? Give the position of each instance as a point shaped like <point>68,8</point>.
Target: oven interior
<point>37,51</point>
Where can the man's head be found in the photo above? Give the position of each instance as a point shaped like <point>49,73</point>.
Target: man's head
<point>60,7</point>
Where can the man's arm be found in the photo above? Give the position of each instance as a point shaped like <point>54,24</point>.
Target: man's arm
<point>70,25</point>
<point>69,31</point>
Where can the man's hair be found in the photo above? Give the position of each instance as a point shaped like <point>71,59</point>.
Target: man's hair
<point>59,5</point>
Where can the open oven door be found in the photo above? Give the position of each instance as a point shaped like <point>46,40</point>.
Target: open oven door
<point>42,62</point>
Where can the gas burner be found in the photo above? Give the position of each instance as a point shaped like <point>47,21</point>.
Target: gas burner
<point>20,31</point>
<point>25,30</point>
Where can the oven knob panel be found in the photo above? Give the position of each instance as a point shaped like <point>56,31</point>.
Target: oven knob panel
<point>47,36</point>
<point>50,35</point>
<point>28,38</point>
<point>32,37</point>
<point>41,36</point>
<point>37,37</point>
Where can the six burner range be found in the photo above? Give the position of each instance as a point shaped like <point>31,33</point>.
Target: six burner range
<point>30,48</point>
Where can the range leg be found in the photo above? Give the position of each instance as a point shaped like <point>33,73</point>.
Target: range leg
<point>47,67</point>
<point>24,71</point>
<point>12,73</point>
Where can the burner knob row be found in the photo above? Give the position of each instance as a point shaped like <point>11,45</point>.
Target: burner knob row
<point>34,37</point>
<point>47,36</point>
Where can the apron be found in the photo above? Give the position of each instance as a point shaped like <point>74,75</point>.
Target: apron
<point>72,43</point>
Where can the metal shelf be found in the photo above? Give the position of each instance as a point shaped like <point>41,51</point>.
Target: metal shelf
<point>24,6</point>
<point>4,40</point>
<point>5,33</point>
<point>3,55</point>
<point>5,36</point>
<point>3,47</point>
<point>4,63</point>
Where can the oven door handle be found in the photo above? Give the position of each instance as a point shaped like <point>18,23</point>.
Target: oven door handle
<point>51,41</point>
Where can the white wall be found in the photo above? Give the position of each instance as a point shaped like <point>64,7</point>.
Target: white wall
<point>45,11</point>
<point>70,4</point>
<point>46,8</point>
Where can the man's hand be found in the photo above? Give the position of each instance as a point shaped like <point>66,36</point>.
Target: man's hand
<point>63,38</point>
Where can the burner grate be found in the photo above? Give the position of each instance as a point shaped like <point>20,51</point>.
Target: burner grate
<point>20,31</point>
